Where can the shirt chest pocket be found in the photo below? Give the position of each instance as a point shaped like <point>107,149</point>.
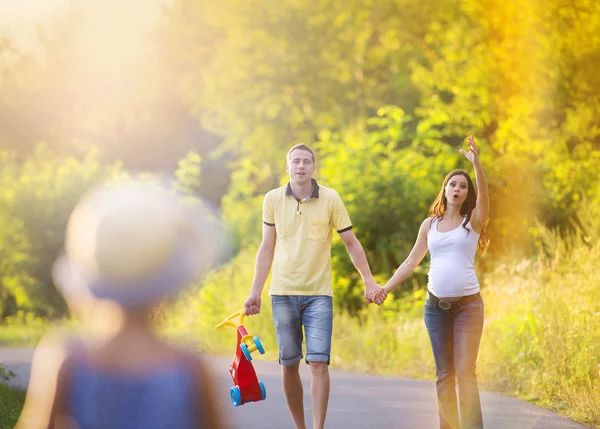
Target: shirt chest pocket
<point>319,230</point>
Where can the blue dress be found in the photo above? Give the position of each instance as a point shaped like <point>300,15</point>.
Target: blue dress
<point>163,399</point>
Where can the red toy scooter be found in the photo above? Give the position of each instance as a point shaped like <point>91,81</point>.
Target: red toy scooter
<point>246,388</point>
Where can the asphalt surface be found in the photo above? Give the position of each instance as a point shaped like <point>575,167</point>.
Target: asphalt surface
<point>357,400</point>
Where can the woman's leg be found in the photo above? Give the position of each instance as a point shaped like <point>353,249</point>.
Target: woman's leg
<point>441,335</point>
<point>468,327</point>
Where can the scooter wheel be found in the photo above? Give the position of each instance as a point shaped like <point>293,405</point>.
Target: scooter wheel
<point>259,346</point>
<point>263,390</point>
<point>246,352</point>
<point>236,396</point>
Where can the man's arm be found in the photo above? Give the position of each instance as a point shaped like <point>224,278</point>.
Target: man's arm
<point>359,259</point>
<point>264,260</point>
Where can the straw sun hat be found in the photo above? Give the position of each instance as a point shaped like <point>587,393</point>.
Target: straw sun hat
<point>135,243</point>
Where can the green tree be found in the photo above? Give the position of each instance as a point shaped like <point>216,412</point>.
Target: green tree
<point>37,198</point>
<point>189,174</point>
<point>265,75</point>
<point>514,74</point>
<point>387,188</point>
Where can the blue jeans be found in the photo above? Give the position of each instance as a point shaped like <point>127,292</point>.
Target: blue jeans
<point>290,314</point>
<point>455,334</point>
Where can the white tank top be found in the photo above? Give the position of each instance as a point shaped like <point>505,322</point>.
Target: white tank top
<point>452,271</point>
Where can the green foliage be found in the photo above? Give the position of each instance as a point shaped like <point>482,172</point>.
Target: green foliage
<point>11,404</point>
<point>22,329</point>
<point>37,198</point>
<point>387,340</point>
<point>273,73</point>
<point>387,186</point>
<point>188,174</point>
<point>516,75</point>
<point>242,206</point>
<point>541,335</point>
<point>221,294</point>
<point>6,375</point>
<point>266,75</point>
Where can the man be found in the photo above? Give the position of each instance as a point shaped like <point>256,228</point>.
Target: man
<point>297,233</point>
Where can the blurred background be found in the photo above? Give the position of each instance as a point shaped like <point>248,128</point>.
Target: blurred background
<point>212,95</point>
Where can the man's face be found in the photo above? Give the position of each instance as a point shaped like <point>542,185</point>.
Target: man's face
<point>300,166</point>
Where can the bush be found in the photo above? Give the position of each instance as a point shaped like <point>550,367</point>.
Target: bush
<point>11,404</point>
<point>542,335</point>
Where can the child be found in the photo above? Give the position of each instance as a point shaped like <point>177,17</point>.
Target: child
<point>128,246</point>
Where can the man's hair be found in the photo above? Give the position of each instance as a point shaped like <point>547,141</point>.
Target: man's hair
<point>301,147</point>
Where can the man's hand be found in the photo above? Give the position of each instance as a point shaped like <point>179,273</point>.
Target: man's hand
<point>374,293</point>
<point>252,305</point>
<point>379,296</point>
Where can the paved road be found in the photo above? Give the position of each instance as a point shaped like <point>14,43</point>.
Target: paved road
<point>357,401</point>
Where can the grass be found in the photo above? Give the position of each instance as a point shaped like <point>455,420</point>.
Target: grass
<point>22,330</point>
<point>26,329</point>
<point>542,341</point>
<point>11,404</point>
<point>20,336</point>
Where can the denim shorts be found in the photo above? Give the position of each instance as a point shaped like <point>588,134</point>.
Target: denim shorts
<point>315,314</point>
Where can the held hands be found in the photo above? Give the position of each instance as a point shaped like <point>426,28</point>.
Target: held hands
<point>374,293</point>
<point>472,155</point>
<point>252,305</point>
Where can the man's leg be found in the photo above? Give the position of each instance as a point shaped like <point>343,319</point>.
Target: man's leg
<point>319,392</point>
<point>294,394</point>
<point>288,329</point>
<point>317,318</point>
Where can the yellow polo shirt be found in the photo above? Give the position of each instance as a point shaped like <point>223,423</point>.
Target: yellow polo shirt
<point>302,260</point>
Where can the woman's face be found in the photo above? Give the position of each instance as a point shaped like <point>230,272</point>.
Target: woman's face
<point>457,190</point>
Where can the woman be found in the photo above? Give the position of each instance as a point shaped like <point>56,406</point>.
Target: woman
<point>452,233</point>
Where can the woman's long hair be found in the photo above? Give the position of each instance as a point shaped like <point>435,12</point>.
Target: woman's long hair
<point>440,206</point>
